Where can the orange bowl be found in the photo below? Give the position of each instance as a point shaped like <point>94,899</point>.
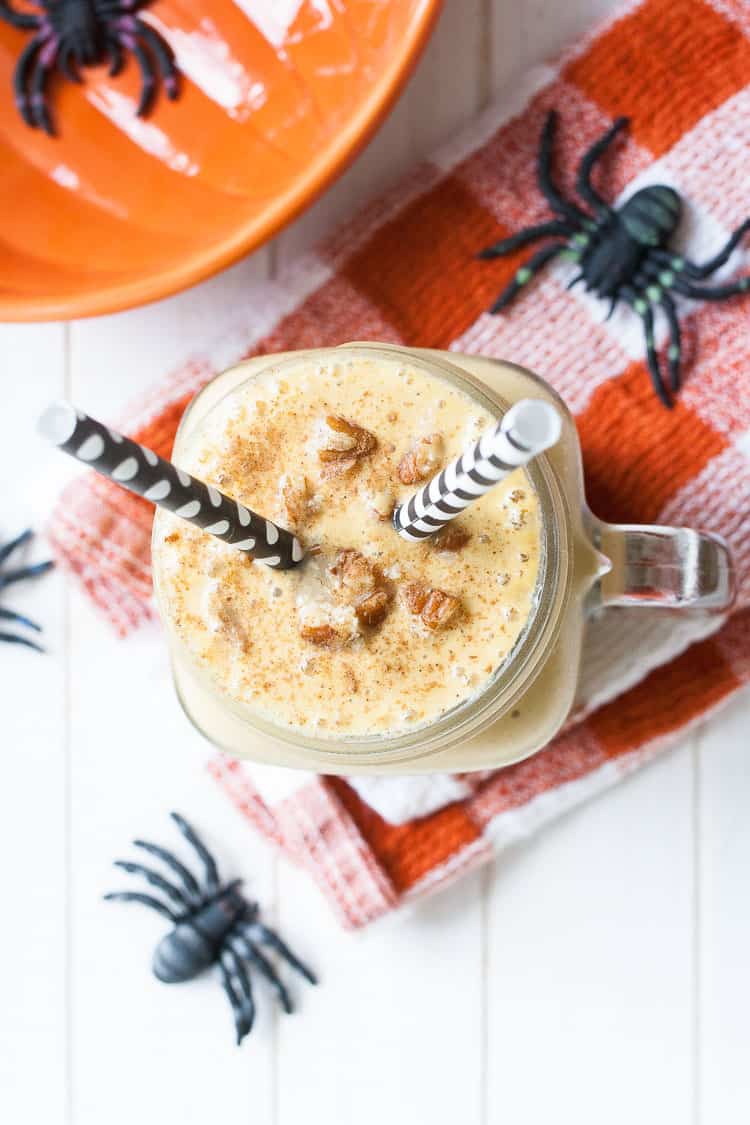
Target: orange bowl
<point>115,210</point>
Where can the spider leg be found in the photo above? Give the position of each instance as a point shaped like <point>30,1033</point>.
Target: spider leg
<point>674,351</point>
<point>239,991</point>
<point>114,50</point>
<point>561,206</point>
<point>19,619</point>
<point>22,572</point>
<point>18,575</point>
<point>156,880</point>
<point>694,270</point>
<point>526,272</point>
<point>162,52</point>
<point>45,59</point>
<point>145,900</point>
<point>12,639</point>
<point>186,877</point>
<point>24,66</point>
<point>584,186</point>
<point>258,932</point>
<point>23,20</point>
<point>246,948</point>
<point>14,544</point>
<point>148,80</point>
<point>711,292</point>
<point>67,66</point>
<point>641,306</point>
<point>651,280</point>
<point>524,237</point>
<point>212,873</point>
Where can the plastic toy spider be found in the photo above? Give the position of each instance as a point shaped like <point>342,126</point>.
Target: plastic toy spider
<point>76,33</point>
<point>622,253</point>
<point>212,923</point>
<point>7,578</point>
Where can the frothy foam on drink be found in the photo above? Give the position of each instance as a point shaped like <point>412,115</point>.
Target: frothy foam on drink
<point>372,634</point>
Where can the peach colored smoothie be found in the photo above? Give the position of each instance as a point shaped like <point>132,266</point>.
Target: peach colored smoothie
<point>372,634</point>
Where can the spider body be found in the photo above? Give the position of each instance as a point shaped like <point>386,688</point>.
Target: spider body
<point>211,924</point>
<point>612,253</point>
<point>623,254</point>
<point>70,34</point>
<point>18,574</point>
<point>192,946</point>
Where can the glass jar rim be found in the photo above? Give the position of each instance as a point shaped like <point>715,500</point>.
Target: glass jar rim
<point>513,676</point>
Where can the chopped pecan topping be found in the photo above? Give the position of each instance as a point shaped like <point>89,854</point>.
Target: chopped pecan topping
<point>323,635</point>
<point>437,609</point>
<point>346,445</point>
<point>353,575</point>
<point>452,537</point>
<point>373,609</point>
<point>422,460</point>
<point>360,584</point>
<point>415,596</point>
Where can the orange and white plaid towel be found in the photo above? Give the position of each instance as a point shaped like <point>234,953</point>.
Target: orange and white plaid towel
<point>406,271</point>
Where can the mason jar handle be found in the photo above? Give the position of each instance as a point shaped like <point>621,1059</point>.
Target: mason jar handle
<point>671,567</point>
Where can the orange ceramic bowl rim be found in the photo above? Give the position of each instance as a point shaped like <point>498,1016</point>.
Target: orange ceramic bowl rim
<point>250,235</point>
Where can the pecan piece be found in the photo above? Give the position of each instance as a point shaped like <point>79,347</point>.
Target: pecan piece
<point>346,445</point>
<point>436,608</point>
<point>415,596</point>
<point>373,609</point>
<point>360,584</point>
<point>323,635</point>
<point>354,576</point>
<point>452,537</point>
<point>422,460</point>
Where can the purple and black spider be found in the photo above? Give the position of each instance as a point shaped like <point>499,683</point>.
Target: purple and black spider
<point>75,33</point>
<point>622,254</point>
<point>17,574</point>
<point>212,924</point>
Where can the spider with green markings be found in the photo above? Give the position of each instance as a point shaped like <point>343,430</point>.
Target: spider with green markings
<point>622,254</point>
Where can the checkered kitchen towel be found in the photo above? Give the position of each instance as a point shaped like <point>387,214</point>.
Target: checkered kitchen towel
<point>406,271</point>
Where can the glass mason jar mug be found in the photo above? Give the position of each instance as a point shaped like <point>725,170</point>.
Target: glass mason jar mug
<point>584,564</point>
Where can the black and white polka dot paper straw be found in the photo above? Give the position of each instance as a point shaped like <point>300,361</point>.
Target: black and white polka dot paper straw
<point>525,431</point>
<point>142,471</point>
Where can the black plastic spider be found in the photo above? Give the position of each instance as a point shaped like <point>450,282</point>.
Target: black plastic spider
<point>7,578</point>
<point>622,253</point>
<point>75,33</point>
<point>212,923</point>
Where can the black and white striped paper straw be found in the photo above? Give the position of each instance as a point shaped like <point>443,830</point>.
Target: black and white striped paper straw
<point>142,471</point>
<point>525,431</point>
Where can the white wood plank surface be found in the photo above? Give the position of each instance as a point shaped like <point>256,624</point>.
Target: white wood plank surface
<point>34,915</point>
<point>597,972</point>
<point>722,910</point>
<point>590,963</point>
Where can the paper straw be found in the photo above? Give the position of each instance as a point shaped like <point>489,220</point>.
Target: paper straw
<point>142,471</point>
<point>525,431</point>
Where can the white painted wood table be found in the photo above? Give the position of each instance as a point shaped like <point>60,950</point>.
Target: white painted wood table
<point>599,973</point>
